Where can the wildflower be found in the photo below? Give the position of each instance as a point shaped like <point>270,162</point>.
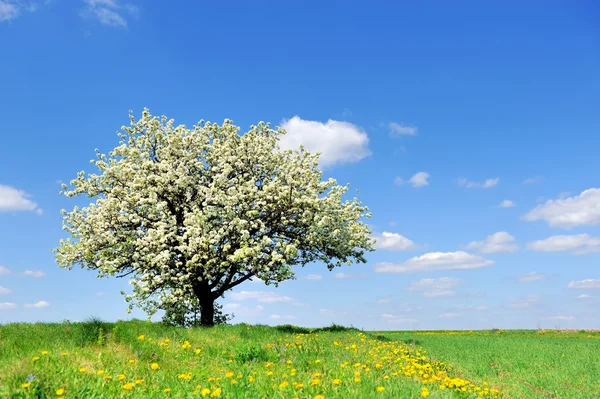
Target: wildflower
<point>337,381</point>
<point>100,372</point>
<point>82,369</point>
<point>205,392</point>
<point>44,352</point>
<point>141,337</point>
<point>26,385</point>
<point>60,391</point>
<point>128,386</point>
<point>131,361</point>
<point>63,353</point>
<point>154,366</point>
<point>167,390</point>
<point>320,397</point>
<point>380,389</point>
<point>284,384</point>
<point>229,374</point>
<point>121,377</point>
<point>216,392</point>
<point>314,382</point>
<point>30,377</point>
<point>198,351</point>
<point>140,381</point>
<point>108,377</point>
<point>424,392</point>
<point>35,358</point>
<point>250,378</point>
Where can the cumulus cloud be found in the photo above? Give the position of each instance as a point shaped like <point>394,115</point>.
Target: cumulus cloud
<point>109,12</point>
<point>531,277</point>
<point>419,179</point>
<point>12,199</point>
<point>584,297</point>
<point>531,180</point>
<point>495,243</point>
<point>4,291</point>
<point>586,284</point>
<point>37,305</point>
<point>579,244</point>
<point>526,301</point>
<point>34,273</point>
<point>581,210</point>
<point>488,183</point>
<point>384,300</point>
<point>450,315</point>
<point>314,277</point>
<point>7,305</point>
<point>397,319</point>
<point>8,11</point>
<point>397,130</point>
<point>243,310</point>
<point>342,276</point>
<point>338,142</point>
<point>434,261</point>
<point>4,270</point>
<point>260,296</point>
<point>393,242</point>
<point>331,312</point>
<point>435,287</point>
<point>507,204</point>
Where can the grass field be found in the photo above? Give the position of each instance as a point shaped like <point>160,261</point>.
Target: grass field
<point>135,359</point>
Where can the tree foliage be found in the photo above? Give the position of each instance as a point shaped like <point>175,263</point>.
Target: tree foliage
<point>192,213</point>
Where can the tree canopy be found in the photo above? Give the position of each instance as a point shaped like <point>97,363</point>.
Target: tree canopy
<point>192,213</point>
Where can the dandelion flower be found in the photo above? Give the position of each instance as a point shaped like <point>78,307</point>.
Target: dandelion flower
<point>60,391</point>
<point>154,366</point>
<point>167,390</point>
<point>205,392</point>
<point>128,386</point>
<point>26,384</point>
<point>380,389</point>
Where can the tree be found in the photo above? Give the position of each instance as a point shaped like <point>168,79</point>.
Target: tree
<point>186,313</point>
<point>192,213</point>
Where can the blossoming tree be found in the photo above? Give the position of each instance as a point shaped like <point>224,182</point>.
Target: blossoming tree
<point>192,213</point>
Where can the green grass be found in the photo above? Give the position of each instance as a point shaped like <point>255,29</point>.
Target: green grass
<point>101,360</point>
<point>522,363</point>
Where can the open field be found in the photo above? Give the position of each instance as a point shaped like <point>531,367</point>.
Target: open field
<point>136,359</point>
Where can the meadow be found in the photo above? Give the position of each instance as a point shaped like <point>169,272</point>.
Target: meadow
<point>137,359</point>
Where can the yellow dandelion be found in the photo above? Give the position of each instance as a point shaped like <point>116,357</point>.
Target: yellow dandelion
<point>100,372</point>
<point>167,390</point>
<point>60,391</point>
<point>44,352</point>
<point>131,361</point>
<point>205,392</point>
<point>128,386</point>
<point>229,374</point>
<point>337,381</point>
<point>26,385</point>
<point>284,384</point>
<point>154,366</point>
<point>216,392</point>
<point>320,396</point>
<point>121,377</point>
<point>141,337</point>
<point>82,369</point>
<point>380,389</point>
<point>35,358</point>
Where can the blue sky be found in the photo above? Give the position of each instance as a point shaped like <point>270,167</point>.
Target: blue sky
<point>471,130</point>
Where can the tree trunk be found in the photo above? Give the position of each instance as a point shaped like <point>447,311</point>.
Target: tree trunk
<point>207,311</point>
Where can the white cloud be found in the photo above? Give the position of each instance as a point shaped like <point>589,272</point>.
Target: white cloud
<point>243,310</point>
<point>581,210</point>
<point>314,277</point>
<point>37,305</point>
<point>481,308</point>
<point>532,180</point>
<point>397,130</point>
<point>585,284</point>
<point>7,305</point>
<point>434,261</point>
<point>435,287</point>
<point>281,317</point>
<point>384,300</point>
<point>393,242</point>
<point>260,296</point>
<point>337,141</point>
<point>419,179</point>
<point>579,244</point>
<point>495,243</point>
<point>4,270</point>
<point>109,12</point>
<point>331,312</point>
<point>8,10</point>
<point>100,293</point>
<point>342,276</point>
<point>488,183</point>
<point>4,291</point>
<point>525,302</point>
<point>34,273</point>
<point>398,319</point>
<point>530,277</point>
<point>12,199</point>
<point>450,315</point>
<point>584,297</point>
<point>507,204</point>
